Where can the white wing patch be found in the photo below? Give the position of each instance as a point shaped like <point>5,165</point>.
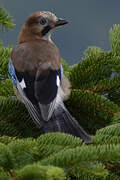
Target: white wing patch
<point>58,81</point>
<point>22,84</point>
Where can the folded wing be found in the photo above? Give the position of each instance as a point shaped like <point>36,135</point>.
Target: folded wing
<point>39,92</point>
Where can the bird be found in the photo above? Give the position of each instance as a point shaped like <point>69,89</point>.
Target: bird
<point>38,78</point>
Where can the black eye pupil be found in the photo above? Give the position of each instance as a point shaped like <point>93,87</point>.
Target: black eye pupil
<point>43,21</point>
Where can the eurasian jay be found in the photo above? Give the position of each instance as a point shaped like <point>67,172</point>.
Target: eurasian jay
<point>37,75</point>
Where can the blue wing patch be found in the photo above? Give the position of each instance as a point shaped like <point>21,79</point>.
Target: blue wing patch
<point>14,78</point>
<point>12,73</point>
<point>61,72</point>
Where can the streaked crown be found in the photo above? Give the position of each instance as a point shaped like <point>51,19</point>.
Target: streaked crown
<point>40,24</point>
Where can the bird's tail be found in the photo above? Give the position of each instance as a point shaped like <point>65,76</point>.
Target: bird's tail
<point>62,121</point>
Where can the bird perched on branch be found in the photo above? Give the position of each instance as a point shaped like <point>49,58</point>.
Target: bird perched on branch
<point>37,74</point>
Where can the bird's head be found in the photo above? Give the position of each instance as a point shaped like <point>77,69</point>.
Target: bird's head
<point>40,25</point>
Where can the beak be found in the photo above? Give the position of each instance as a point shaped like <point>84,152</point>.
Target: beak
<point>61,22</point>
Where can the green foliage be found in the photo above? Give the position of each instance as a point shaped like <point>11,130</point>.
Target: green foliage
<point>91,110</point>
<point>69,157</point>
<point>6,88</point>
<point>5,19</point>
<point>112,130</point>
<point>65,65</point>
<point>36,158</point>
<point>6,157</point>
<point>87,73</point>
<point>38,172</point>
<point>4,59</point>
<point>3,175</point>
<point>92,51</point>
<point>25,154</point>
<point>6,139</point>
<point>14,119</point>
<point>115,38</point>
<point>90,171</point>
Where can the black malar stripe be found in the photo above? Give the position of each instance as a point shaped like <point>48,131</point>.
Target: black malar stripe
<point>46,30</point>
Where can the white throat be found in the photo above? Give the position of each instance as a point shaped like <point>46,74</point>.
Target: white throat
<point>47,37</point>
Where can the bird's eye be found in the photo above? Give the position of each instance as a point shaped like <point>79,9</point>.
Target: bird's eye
<point>43,21</point>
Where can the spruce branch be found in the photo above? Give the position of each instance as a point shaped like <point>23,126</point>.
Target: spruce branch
<point>114,95</point>
<point>12,109</point>
<point>7,128</point>
<point>14,113</point>
<point>6,139</point>
<point>60,139</point>
<point>4,59</point>
<point>114,36</point>
<point>6,88</point>
<point>106,85</point>
<point>106,139</point>
<point>6,20</point>
<point>92,108</point>
<point>85,154</point>
<point>4,175</point>
<point>93,69</point>
<point>6,157</point>
<point>116,118</point>
<point>92,52</point>
<point>111,130</point>
<point>88,170</point>
<point>37,172</point>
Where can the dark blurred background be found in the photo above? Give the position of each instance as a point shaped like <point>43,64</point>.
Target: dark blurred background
<point>90,21</point>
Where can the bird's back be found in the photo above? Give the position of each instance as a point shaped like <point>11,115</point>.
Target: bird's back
<point>27,56</point>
